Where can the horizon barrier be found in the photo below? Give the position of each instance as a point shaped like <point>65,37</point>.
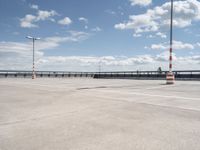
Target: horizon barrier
<point>155,75</point>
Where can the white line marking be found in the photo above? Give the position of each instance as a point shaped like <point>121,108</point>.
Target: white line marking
<point>151,95</point>
<point>166,96</point>
<point>159,87</point>
<point>192,107</point>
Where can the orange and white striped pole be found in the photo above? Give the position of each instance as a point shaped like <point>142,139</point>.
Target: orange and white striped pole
<point>170,76</point>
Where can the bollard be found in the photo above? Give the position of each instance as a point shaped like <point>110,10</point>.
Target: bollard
<point>170,78</point>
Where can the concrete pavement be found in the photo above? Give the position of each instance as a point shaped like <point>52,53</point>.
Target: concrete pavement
<point>89,114</point>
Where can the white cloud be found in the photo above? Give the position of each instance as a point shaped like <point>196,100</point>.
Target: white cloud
<point>180,45</point>
<point>97,29</point>
<point>65,21</point>
<point>177,45</point>
<point>150,36</point>
<point>85,20</point>
<point>18,55</point>
<point>111,12</point>
<point>29,20</point>
<point>41,45</point>
<point>198,44</point>
<point>91,63</point>
<point>45,15</point>
<point>86,27</point>
<point>75,36</point>
<point>13,47</point>
<point>33,6</point>
<point>140,2</point>
<point>159,47</point>
<point>185,12</point>
<point>139,23</point>
<point>137,35</point>
<point>110,63</point>
<point>164,57</point>
<point>162,35</point>
<point>15,55</point>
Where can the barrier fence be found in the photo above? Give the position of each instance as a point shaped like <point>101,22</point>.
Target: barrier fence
<point>180,75</point>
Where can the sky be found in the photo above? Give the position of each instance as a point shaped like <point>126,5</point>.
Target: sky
<point>93,35</point>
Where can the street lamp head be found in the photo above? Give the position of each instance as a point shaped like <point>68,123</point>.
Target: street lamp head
<point>37,38</point>
<point>29,37</point>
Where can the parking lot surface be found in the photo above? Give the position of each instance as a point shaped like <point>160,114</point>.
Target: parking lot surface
<point>92,114</point>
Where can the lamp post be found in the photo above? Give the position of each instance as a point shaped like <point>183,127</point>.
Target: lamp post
<point>170,76</point>
<point>33,39</point>
<point>100,64</point>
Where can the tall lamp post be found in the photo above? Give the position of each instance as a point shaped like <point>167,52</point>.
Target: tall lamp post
<point>100,64</point>
<point>170,76</point>
<point>33,39</point>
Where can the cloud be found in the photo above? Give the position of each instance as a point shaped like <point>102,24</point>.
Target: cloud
<point>29,20</point>
<point>45,15</point>
<point>185,12</point>
<point>75,36</point>
<point>139,23</point>
<point>97,29</point>
<point>159,47</point>
<point>140,2</point>
<point>164,57</point>
<point>111,12</point>
<point>44,43</point>
<point>177,45</point>
<point>65,21</point>
<point>150,36</point>
<point>16,55</point>
<point>86,27</point>
<point>78,36</point>
<point>162,35</point>
<point>85,20</point>
<point>91,63</point>
<point>198,44</point>
<point>137,35</point>
<point>33,6</point>
<point>111,63</point>
<point>13,47</point>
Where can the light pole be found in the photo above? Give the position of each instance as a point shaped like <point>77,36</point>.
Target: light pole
<point>100,64</point>
<point>33,39</point>
<point>170,76</point>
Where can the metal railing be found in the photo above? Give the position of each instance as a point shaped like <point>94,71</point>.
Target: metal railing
<point>180,74</point>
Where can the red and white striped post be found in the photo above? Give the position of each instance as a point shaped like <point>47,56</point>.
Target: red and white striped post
<point>170,76</point>
<point>33,72</point>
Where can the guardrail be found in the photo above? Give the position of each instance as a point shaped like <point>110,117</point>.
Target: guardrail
<point>180,75</point>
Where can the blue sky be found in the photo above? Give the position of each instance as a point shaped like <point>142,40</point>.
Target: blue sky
<point>83,35</point>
